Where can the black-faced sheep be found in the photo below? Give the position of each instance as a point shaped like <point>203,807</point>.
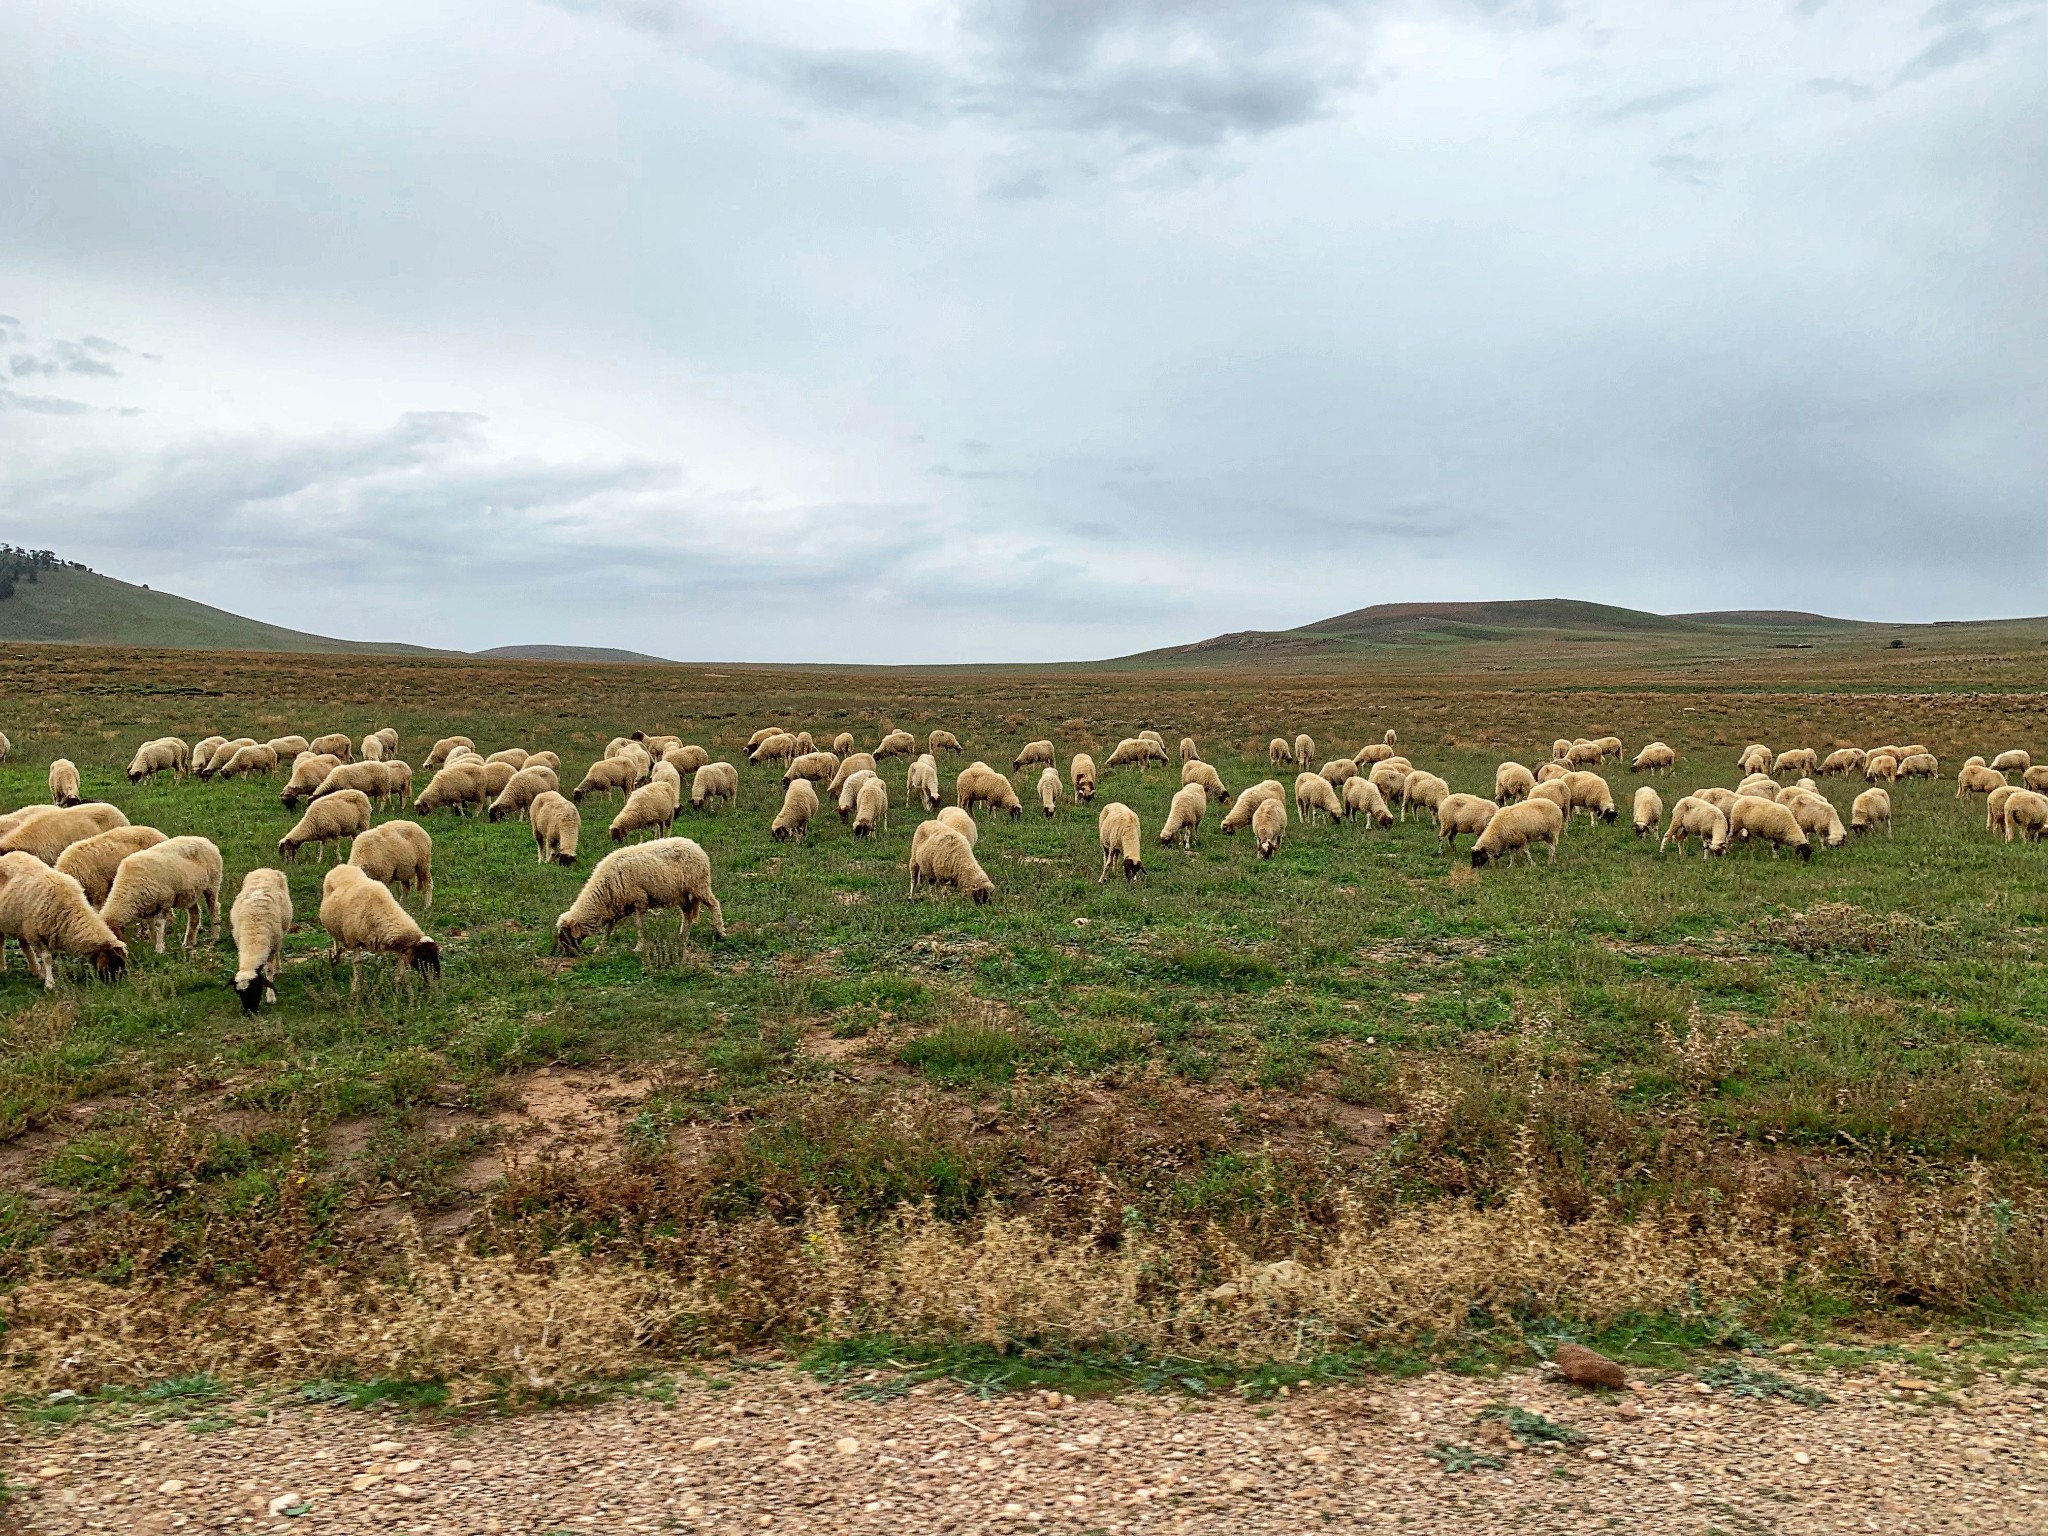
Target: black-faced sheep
<point>1184,815</point>
<point>47,914</point>
<point>898,743</point>
<point>1116,828</point>
<point>1462,813</point>
<point>1591,794</point>
<point>1195,771</point>
<point>258,922</point>
<point>1766,821</point>
<point>399,854</point>
<point>1518,829</point>
<point>630,882</point>
<point>1049,791</point>
<point>1081,774</point>
<point>941,741</point>
<point>1280,750</point>
<point>871,807</point>
<point>309,772</point>
<point>1312,794</point>
<point>939,855</point>
<point>463,785</point>
<point>64,782</point>
<point>1269,825</point>
<point>363,917</point>
<point>1363,800</point>
<point>49,829</point>
<point>328,820</point>
<point>1648,811</point>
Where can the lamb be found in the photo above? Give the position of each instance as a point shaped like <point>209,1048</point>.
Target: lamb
<point>1362,799</point>
<point>1462,813</point>
<point>849,792</point>
<point>714,781</point>
<point>941,856</point>
<point>1424,790</point>
<point>1049,791</point>
<point>1081,774</point>
<point>2026,814</point>
<point>898,743</point>
<point>248,762</point>
<point>438,758</point>
<point>372,750</point>
<point>1116,828</point>
<point>1269,825</point>
<point>1649,811</point>
<point>871,808</point>
<point>167,754</point>
<point>309,772</point>
<point>363,917</point>
<point>556,826</point>
<point>1918,765</point>
<point>1518,829</point>
<point>818,767</point>
<point>687,758</point>
<point>1591,795</point>
<point>1189,752</point>
<point>180,874</point>
<point>1377,752</point>
<point>941,741</point>
<point>345,813</point>
<point>2014,761</point>
<point>799,805</point>
<point>606,776</point>
<point>650,808</point>
<point>1248,802</point>
<point>1755,758</point>
<point>399,854</point>
<point>1130,750</point>
<point>1880,765</point>
<point>1751,819</point>
<point>921,784</point>
<point>1655,758</point>
<point>842,744</point>
<point>1512,782</point>
<point>1337,770</point>
<point>1195,771</point>
<point>1694,817</point>
<point>669,872</point>
<point>1281,750</point>
<point>54,828</point>
<point>1977,780</point>
<point>64,782</point>
<point>1843,760</point>
<point>780,747</point>
<point>978,784</point>
<point>1795,760</point>
<point>460,784</point>
<point>1184,815</point>
<point>849,765</point>
<point>259,920</point>
<point>523,788</point>
<point>1313,793</point>
<point>46,913</point>
<point>92,861</point>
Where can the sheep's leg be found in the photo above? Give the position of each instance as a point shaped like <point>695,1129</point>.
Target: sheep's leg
<point>355,973</point>
<point>639,930</point>
<point>163,922</point>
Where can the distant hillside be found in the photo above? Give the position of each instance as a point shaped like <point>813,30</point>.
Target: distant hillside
<point>574,653</point>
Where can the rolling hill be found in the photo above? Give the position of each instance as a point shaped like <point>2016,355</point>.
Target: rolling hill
<point>585,653</point>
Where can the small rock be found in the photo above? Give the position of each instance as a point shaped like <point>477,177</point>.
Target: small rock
<point>1913,1384</point>
<point>383,1447</point>
<point>1630,1411</point>
<point>406,1468</point>
<point>846,1445</point>
<point>1596,1454</point>
<point>1588,1368</point>
<point>462,1464</point>
<point>170,1485</point>
<point>1787,1349</point>
<point>282,1502</point>
<point>707,1443</point>
<point>1802,1458</point>
<point>46,1473</point>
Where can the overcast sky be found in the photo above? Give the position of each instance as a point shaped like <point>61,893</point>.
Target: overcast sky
<point>884,330</point>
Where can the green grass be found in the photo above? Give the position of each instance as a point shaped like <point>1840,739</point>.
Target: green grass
<point>86,608</point>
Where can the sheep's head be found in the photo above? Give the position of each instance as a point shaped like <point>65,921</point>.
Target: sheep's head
<point>111,961</point>
<point>1609,815</point>
<point>982,894</point>
<point>425,958</point>
<point>569,936</point>
<point>287,850</point>
<point>1479,858</point>
<point>249,988</point>
<point>1806,853</point>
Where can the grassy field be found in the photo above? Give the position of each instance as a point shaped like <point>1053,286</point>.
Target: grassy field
<point>1357,1095</point>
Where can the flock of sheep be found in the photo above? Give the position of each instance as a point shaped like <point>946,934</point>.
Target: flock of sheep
<point>75,875</point>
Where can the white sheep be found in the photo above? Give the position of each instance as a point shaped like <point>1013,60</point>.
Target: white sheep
<point>941,741</point>
<point>1766,821</point>
<point>1974,779</point>
<point>1184,815</point>
<point>1338,769</point>
<point>668,872</point>
<point>1206,778</point>
<point>650,808</point>
<point>288,747</point>
<point>525,787</point>
<point>330,819</point>
<point>1304,749</point>
<point>819,767</point>
<point>1755,758</point>
<point>1556,768</point>
<point>1132,749</point>
<point>939,855</point>
<point>1313,793</point>
<point>1240,814</point>
<point>1760,785</point>
<point>1590,793</point>
<point>978,784</point>
<point>2014,761</point>
<point>1880,765</point>
<point>1269,824</point>
<point>1557,792</point>
<point>309,771</point>
<point>1511,782</point>
<point>1388,776</point>
<point>203,750</point>
<point>871,807</point>
<point>373,779</point>
<point>1583,754</point>
<point>1610,746</point>
<point>1919,765</point>
<point>463,784</point>
<point>1994,812</point>
<point>1817,818</point>
<point>714,781</point>
<point>849,765</point>
<point>253,761</point>
<point>1462,813</point>
<point>47,914</point>
<point>180,874</point>
<point>1280,750</point>
<point>632,752</point>
<point>898,743</point>
<point>2026,815</point>
<point>1795,760</point>
<point>921,784</point>
<point>363,917</point>
<point>1116,828</point>
<point>49,829</point>
<point>372,750</point>
<point>1560,749</point>
<point>1376,752</point>
<point>1361,798</point>
<point>92,861</point>
<point>1049,791</point>
<point>399,854</point>
<point>166,754</point>
<point>1697,817</point>
<point>64,782</point>
<point>334,744</point>
<point>608,775</point>
<point>557,825</point>
<point>1189,752</point>
<point>1081,774</point>
<point>687,758</point>
<point>220,756</point>
<point>849,792</point>
<point>258,922</point>
<point>1655,758</point>
<point>799,805</point>
<point>1518,829</point>
<point>1843,760</point>
<point>1423,790</point>
<point>1648,811</point>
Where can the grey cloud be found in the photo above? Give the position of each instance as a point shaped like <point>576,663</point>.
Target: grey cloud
<point>1658,103</point>
<point>41,405</point>
<point>1958,46</point>
<point>1695,169</point>
<point>87,356</point>
<point>1839,85</point>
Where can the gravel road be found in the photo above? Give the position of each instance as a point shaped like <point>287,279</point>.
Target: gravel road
<point>777,1451</point>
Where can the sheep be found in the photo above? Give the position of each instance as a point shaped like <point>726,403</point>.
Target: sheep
<point>799,805</point>
<point>1559,749</point>
<point>1841,761</point>
<point>1648,811</point>
<point>842,743</point>
<point>166,754</point>
<point>1116,828</point>
<point>641,759</point>
<point>606,776</point>
<point>805,743</point>
<point>1049,791</point>
<point>1269,825</point>
<point>1556,768</point>
<point>1978,780</point>
<point>1919,765</point>
<point>1362,799</point>
<point>1184,815</point>
<point>1582,754</point>
<point>523,788</point>
<point>515,757</point>
<point>1880,765</point>
<point>372,750</point>
<point>557,825</point>
<point>1240,814</point>
<point>1718,795</point>
<point>254,760</point>
<point>64,782</point>
<point>1994,811</point>
<point>1337,770</point>
<point>1695,817</point>
<point>1591,795</point>
<point>218,758</point>
<point>819,767</point>
<point>1911,749</point>
<point>332,744</point>
<point>389,737</point>
<point>849,792</point>
<point>1157,740</point>
<point>2036,778</point>
<point>663,774</point>
<point>345,813</point>
<point>362,917</point>
<point>687,758</point>
<point>761,735</point>
<point>950,818</point>
<point>1795,760</point>
<point>1424,790</point>
<point>394,780</point>
<point>1751,819</point>
<point>669,872</point>
<point>1755,758</point>
<point>1760,785</point>
<point>399,854</point>
<point>438,757</point>
<point>459,784</point>
<point>55,828</point>
<point>1557,792</point>
<point>1189,752</point>
<point>656,742</point>
<point>921,784</point>
<point>1377,751</point>
<point>1655,758</point>
<point>46,913</point>
<point>258,922</point>
<point>1512,782</point>
<point>978,784</point>
<point>871,808</point>
<point>1195,771</point>
<point>6,746</point>
<point>92,861</point>
<point>1518,829</point>
<point>1462,813</point>
<point>898,743</point>
<point>203,750</point>
<point>309,772</point>
<point>1817,818</point>
<point>1387,777</point>
<point>1313,793</point>
<point>1129,750</point>
<point>941,741</point>
<point>1081,774</point>
<point>1281,750</point>
<point>849,765</point>
<point>383,780</point>
<point>2014,761</point>
<point>941,856</point>
<point>288,747</point>
<point>714,781</point>
<point>1610,746</point>
<point>2026,814</point>
<point>179,874</point>
<point>650,808</point>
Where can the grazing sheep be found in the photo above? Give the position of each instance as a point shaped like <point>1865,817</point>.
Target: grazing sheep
<point>818,767</point>
<point>438,757</point>
<point>687,758</point>
<point>1423,790</point>
<point>343,814</point>
<point>1994,811</point>
<point>849,765</point>
<point>64,782</point>
<point>1583,754</point>
<point>258,922</point>
<point>714,781</point>
<point>849,792</point>
<point>1880,765</point>
<point>921,784</point>
<point>2014,761</point>
<point>399,854</point>
<point>898,743</point>
<point>1116,828</point>
<point>1157,740</point>
<point>805,743</point>
<point>92,861</point>
<point>179,874</point>
<point>514,757</point>
<point>1512,782</point>
<point>761,735</point>
<point>1918,765</point>
<point>2036,778</point>
<point>1304,749</point>
<point>1049,791</point>
<point>372,750</point>
<point>167,754</point>
<point>1135,749</point>
<point>248,762</point>
<point>1081,774</point>
<point>1817,818</point>
<point>978,785</point>
<point>1695,817</point>
<point>523,788</point>
<point>288,747</point>
<point>1281,750</point>
<point>669,872</point>
<point>1388,776</point>
<point>941,741</point>
<point>1649,811</point>
<point>333,744</point>
<point>1556,768</point>
<point>46,913</point>
<point>203,750</point>
<point>650,808</point>
<point>1841,761</point>
<point>1978,780</point>
<point>1269,825</point>
<point>641,759</point>
<point>362,917</point>
<point>1337,770</point>
<point>1795,760</point>
<point>1559,749</point>
<point>1240,814</point>
<point>309,772</point>
<point>383,780</point>
<point>780,747</point>
<point>52,829</point>
<point>1189,752</point>
<point>557,825</point>
<point>1362,799</point>
<point>871,807</point>
<point>1518,829</point>
<point>6,746</point>
<point>1751,819</point>
<point>1755,758</point>
<point>941,856</point>
<point>2026,814</point>
<point>1760,785</point>
<point>1195,771</point>
<point>1610,746</point>
<point>1462,813</point>
<point>389,737</point>
<point>1591,795</point>
<point>1313,793</point>
<point>606,776</point>
<point>950,818</point>
<point>1655,758</point>
<point>1184,815</point>
<point>218,758</point>
<point>460,784</point>
<point>799,805</point>
<point>842,743</point>
<point>1557,792</point>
